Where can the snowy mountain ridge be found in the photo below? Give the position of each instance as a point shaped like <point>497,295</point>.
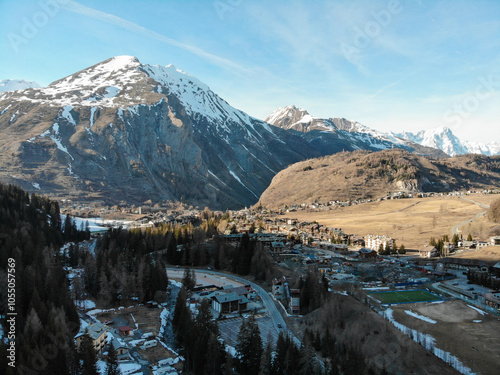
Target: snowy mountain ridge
<point>291,117</point>
<point>123,126</point>
<point>358,135</point>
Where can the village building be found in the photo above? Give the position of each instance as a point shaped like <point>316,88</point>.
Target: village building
<point>493,300</point>
<point>495,241</point>
<point>229,302</point>
<point>97,333</point>
<point>428,252</point>
<point>374,242</point>
<point>125,330</point>
<point>365,253</point>
<point>294,301</point>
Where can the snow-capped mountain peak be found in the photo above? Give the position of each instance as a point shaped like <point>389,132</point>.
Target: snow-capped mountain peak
<point>17,84</point>
<point>289,114</point>
<point>444,139</point>
<point>123,81</point>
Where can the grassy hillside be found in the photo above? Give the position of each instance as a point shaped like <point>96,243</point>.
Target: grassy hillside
<point>370,175</point>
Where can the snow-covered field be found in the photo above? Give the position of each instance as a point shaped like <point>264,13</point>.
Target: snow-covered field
<point>96,224</point>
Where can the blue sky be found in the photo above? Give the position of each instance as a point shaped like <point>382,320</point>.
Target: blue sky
<point>391,65</point>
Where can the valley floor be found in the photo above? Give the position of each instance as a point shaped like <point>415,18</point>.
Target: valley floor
<point>411,222</point>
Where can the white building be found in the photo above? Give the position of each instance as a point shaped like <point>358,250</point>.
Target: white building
<point>374,242</point>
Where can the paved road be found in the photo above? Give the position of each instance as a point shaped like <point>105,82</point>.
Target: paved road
<point>275,315</point>
<point>455,229</point>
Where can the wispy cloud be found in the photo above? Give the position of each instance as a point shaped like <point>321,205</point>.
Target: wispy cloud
<point>78,8</point>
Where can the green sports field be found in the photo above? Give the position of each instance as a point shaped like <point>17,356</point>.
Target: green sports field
<point>404,296</point>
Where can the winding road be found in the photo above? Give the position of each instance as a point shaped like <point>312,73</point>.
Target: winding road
<point>274,313</point>
<point>455,229</point>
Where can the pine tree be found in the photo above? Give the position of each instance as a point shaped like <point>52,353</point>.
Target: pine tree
<point>249,348</point>
<point>112,365</point>
<point>88,356</point>
<point>267,358</point>
<point>402,249</point>
<point>189,279</point>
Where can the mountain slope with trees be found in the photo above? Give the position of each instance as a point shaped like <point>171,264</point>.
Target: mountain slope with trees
<point>46,320</point>
<point>364,175</point>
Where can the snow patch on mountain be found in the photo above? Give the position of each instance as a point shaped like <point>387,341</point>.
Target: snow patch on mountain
<point>66,113</point>
<point>194,94</point>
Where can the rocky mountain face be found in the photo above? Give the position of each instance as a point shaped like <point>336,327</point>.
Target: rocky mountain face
<point>16,84</point>
<point>339,134</point>
<point>126,131</point>
<point>370,175</point>
<point>444,139</point>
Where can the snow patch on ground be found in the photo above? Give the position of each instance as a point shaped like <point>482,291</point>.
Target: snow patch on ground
<point>478,310</point>
<point>231,350</point>
<point>128,367</point>
<point>85,304</point>
<point>428,342</point>
<point>421,317</point>
<point>101,367</point>
<point>176,283</point>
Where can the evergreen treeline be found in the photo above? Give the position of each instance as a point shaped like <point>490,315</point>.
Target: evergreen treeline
<point>31,234</point>
<point>201,345</point>
<point>130,264</point>
<point>483,278</point>
<point>125,267</point>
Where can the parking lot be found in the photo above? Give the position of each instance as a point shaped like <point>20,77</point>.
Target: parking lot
<point>229,329</point>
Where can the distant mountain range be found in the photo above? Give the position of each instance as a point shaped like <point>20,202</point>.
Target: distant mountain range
<point>444,139</point>
<point>122,131</point>
<point>16,84</point>
<point>299,119</point>
<point>126,132</point>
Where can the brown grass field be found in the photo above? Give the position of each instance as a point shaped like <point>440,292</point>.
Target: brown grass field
<point>459,328</point>
<point>411,222</point>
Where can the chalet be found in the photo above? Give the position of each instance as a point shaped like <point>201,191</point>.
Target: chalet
<point>229,302</point>
<point>469,244</point>
<point>495,241</point>
<point>365,253</point>
<point>120,347</point>
<point>97,333</point>
<point>428,252</point>
<point>278,246</point>
<point>125,330</point>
